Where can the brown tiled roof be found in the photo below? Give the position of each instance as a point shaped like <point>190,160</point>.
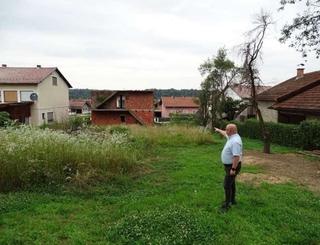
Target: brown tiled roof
<point>289,86</point>
<point>308,100</point>
<point>245,91</point>
<point>181,102</point>
<point>78,103</point>
<point>27,75</point>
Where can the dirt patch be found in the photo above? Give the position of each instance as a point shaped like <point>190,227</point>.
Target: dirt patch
<point>281,168</point>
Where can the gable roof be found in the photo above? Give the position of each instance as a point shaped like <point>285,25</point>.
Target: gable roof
<point>111,93</point>
<point>180,102</point>
<point>290,87</point>
<point>27,75</point>
<point>309,100</point>
<point>78,103</point>
<point>244,92</point>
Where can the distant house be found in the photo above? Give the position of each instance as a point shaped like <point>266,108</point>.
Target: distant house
<point>243,93</point>
<point>180,105</point>
<point>34,95</point>
<point>79,106</point>
<point>122,107</point>
<point>293,100</point>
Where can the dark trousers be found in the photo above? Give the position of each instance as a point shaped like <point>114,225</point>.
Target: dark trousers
<point>230,183</point>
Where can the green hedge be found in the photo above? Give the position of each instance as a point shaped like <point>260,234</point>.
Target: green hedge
<point>306,135</point>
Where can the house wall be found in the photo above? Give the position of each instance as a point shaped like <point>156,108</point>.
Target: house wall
<point>140,103</point>
<point>230,93</point>
<point>269,115</point>
<point>50,99</point>
<point>165,113</point>
<point>111,117</point>
<point>19,88</point>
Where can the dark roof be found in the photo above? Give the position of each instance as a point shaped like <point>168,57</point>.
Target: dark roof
<point>180,102</point>
<point>27,75</point>
<point>309,100</point>
<point>244,92</point>
<point>292,85</point>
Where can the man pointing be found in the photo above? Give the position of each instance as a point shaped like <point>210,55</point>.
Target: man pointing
<point>231,158</point>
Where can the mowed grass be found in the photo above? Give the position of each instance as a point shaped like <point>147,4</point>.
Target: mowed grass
<point>175,202</point>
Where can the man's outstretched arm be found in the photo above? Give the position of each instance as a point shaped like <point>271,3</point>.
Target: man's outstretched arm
<point>222,132</point>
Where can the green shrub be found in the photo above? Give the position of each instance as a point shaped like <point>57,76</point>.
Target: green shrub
<point>178,118</point>
<point>306,135</point>
<point>4,119</point>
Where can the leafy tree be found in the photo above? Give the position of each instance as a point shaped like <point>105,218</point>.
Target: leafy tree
<point>251,53</point>
<point>304,31</point>
<point>231,107</point>
<point>219,73</point>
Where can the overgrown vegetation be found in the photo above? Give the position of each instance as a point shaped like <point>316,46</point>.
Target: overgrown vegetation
<point>35,157</point>
<point>175,203</point>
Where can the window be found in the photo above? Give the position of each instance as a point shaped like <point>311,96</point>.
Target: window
<point>10,96</point>
<point>50,116</point>
<point>25,95</point>
<point>0,97</point>
<point>123,118</point>
<point>54,81</point>
<point>43,116</point>
<point>121,102</point>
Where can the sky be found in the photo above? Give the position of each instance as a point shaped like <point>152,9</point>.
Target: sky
<point>140,44</point>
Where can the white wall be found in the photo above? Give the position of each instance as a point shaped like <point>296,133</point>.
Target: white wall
<point>269,115</point>
<point>50,99</point>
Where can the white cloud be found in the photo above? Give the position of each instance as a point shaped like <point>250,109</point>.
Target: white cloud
<point>135,44</point>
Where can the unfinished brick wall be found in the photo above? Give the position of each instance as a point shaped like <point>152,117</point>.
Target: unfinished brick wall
<point>111,118</point>
<point>140,103</point>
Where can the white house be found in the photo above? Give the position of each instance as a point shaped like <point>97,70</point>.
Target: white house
<point>44,91</point>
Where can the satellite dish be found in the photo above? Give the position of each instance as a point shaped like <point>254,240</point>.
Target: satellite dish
<point>34,97</point>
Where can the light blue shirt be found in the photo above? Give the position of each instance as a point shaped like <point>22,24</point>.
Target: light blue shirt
<point>233,147</point>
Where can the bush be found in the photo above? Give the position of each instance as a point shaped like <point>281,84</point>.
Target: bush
<point>306,135</point>
<point>4,119</point>
<point>188,119</point>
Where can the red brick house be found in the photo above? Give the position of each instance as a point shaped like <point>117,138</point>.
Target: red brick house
<point>293,100</point>
<point>180,105</point>
<point>122,107</point>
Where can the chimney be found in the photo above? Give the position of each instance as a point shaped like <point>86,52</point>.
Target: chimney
<point>38,66</point>
<point>4,65</point>
<point>300,72</point>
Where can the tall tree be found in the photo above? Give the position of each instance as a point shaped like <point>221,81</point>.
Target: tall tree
<point>251,54</point>
<point>304,31</point>
<point>219,73</point>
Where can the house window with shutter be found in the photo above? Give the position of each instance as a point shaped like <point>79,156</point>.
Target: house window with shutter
<point>10,96</point>
<point>121,102</point>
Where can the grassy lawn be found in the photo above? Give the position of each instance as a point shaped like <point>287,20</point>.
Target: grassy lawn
<point>175,201</point>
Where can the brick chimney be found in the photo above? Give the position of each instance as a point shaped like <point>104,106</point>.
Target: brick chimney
<point>300,72</point>
<point>4,65</point>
